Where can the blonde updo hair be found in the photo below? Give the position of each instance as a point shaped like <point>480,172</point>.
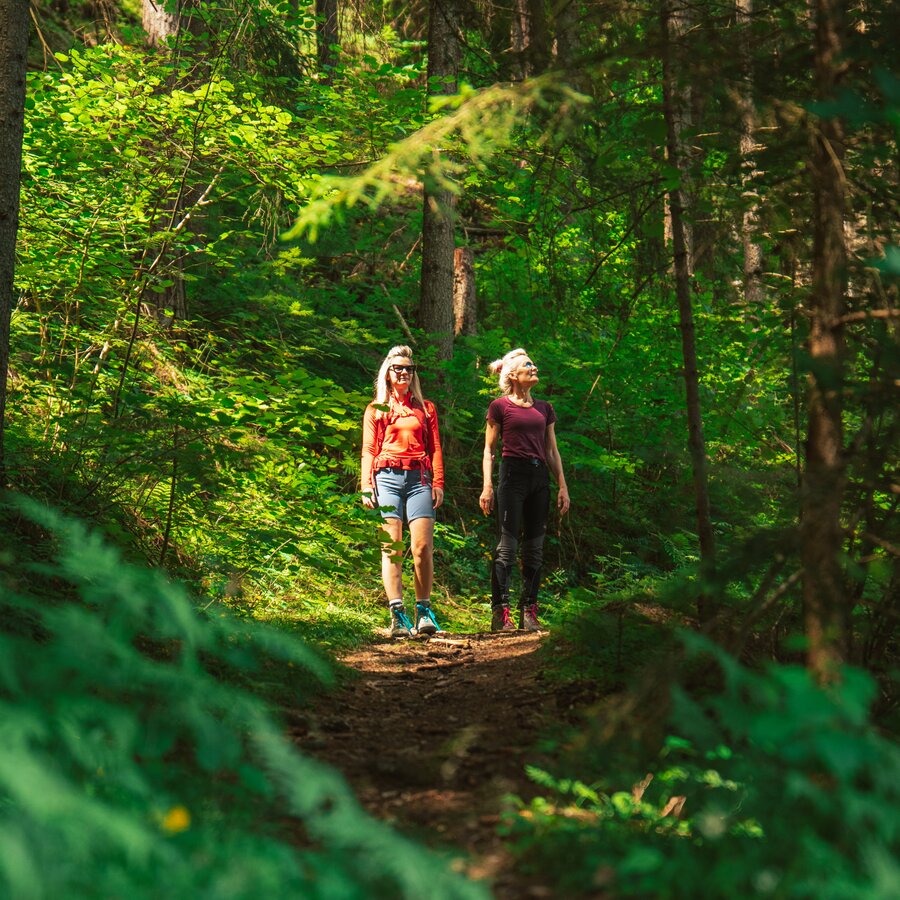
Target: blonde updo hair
<point>506,366</point>
<point>382,395</point>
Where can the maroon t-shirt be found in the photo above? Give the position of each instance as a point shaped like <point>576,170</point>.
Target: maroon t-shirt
<point>523,431</point>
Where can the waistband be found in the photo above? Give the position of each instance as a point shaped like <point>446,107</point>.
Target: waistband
<point>395,462</point>
<point>395,467</point>
<point>523,460</point>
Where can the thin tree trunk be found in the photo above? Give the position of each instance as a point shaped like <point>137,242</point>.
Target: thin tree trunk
<point>753,261</point>
<point>465,298</point>
<point>686,325</point>
<point>821,535</point>
<point>676,22</point>
<point>13,63</point>
<point>163,19</point>
<point>520,38</point>
<point>326,35</point>
<point>436,287</point>
<point>170,513</point>
<point>565,32</point>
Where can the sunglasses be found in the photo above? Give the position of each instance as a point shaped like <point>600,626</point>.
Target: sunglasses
<point>398,369</point>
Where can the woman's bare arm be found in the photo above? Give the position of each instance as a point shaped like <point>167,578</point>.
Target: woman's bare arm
<point>554,463</point>
<point>491,436</point>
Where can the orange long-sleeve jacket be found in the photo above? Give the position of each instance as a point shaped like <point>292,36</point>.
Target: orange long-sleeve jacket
<point>406,436</point>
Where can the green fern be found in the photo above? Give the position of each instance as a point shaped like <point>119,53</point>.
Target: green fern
<point>131,768</point>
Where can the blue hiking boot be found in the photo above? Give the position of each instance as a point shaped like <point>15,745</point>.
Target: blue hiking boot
<point>400,624</point>
<point>426,623</point>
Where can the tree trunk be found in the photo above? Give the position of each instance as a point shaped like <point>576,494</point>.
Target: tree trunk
<point>13,62</point>
<point>565,33</point>
<point>686,323</point>
<point>436,288</point>
<point>160,19</point>
<point>326,35</point>
<point>520,38</point>
<point>676,22</point>
<point>497,31</point>
<point>821,535</point>
<point>753,289</point>
<point>529,38</point>
<point>465,298</point>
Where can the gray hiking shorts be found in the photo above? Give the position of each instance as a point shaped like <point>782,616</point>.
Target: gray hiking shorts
<point>403,493</point>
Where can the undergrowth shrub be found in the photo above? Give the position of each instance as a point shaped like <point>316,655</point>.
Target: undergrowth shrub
<point>772,787</point>
<point>136,760</point>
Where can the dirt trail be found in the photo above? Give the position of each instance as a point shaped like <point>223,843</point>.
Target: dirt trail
<point>434,732</point>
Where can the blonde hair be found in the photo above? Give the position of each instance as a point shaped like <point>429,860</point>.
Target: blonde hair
<point>506,366</point>
<point>382,396</point>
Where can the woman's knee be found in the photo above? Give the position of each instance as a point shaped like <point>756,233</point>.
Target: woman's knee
<point>392,558</point>
<point>391,553</point>
<point>421,551</point>
<point>533,552</point>
<point>505,554</point>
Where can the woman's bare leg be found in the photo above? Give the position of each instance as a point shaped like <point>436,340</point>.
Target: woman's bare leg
<point>391,559</point>
<point>421,533</point>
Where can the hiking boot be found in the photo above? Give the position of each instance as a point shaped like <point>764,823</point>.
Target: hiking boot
<point>400,624</point>
<point>426,623</point>
<point>529,618</point>
<point>501,619</point>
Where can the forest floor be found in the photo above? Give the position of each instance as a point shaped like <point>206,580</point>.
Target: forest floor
<point>433,734</point>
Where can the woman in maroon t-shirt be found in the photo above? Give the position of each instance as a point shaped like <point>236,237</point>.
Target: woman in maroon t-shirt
<point>526,427</point>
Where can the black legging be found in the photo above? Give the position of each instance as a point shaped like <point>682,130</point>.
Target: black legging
<point>523,504</point>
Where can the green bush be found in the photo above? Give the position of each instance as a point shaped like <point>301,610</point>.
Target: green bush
<point>136,764</point>
<point>785,789</point>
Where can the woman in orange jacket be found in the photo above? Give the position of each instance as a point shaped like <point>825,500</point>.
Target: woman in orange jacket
<point>403,476</point>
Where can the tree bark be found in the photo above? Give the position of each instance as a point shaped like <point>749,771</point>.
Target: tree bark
<point>529,38</point>
<point>436,286</point>
<point>826,617</point>
<point>753,261</point>
<point>520,38</point>
<point>465,298</point>
<point>326,35</point>
<point>160,19</point>
<point>13,65</point>
<point>686,323</point>
<point>677,21</point>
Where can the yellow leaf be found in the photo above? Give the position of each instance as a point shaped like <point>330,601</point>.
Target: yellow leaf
<point>176,819</point>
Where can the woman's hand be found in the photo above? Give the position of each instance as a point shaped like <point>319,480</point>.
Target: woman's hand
<point>562,500</point>
<point>368,500</point>
<point>437,496</point>
<point>486,501</point>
